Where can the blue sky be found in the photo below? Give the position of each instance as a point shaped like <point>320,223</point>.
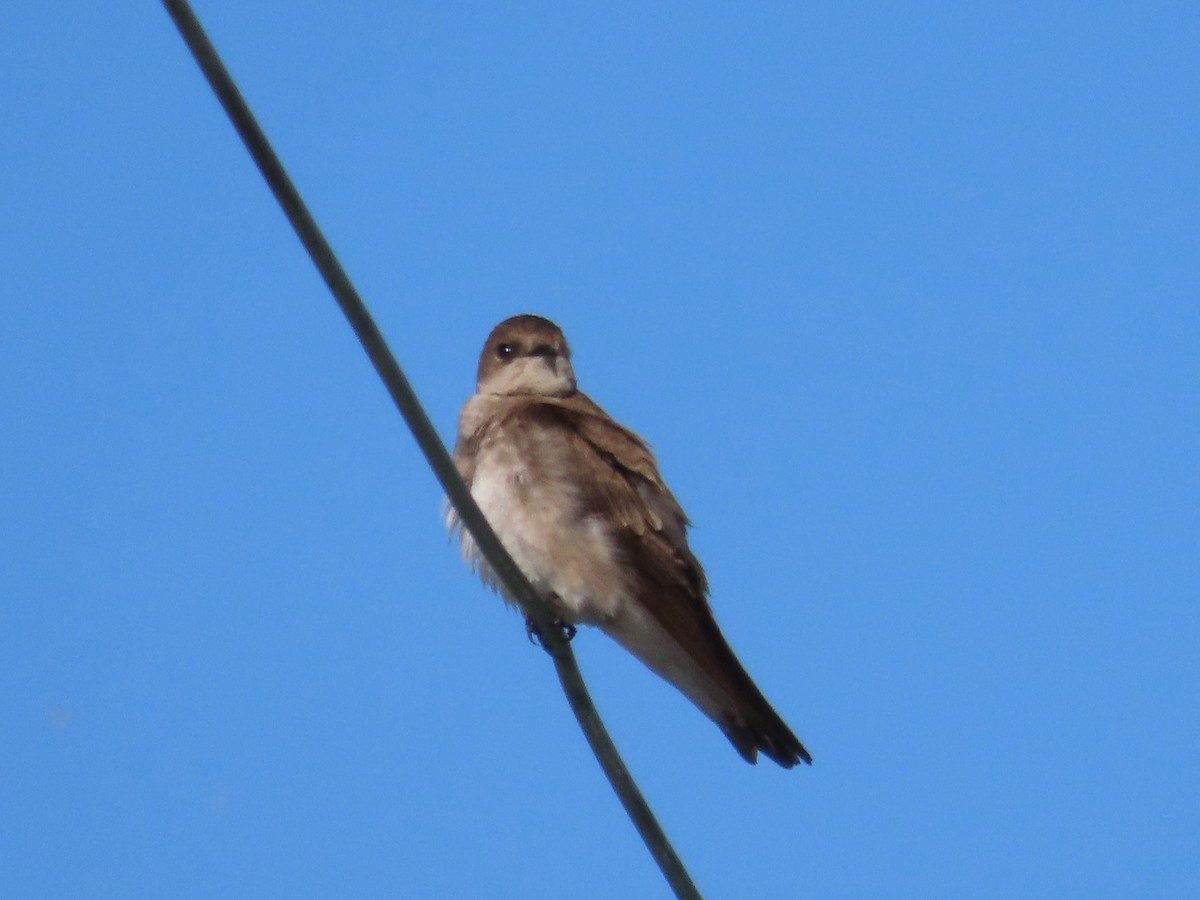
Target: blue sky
<point>904,296</point>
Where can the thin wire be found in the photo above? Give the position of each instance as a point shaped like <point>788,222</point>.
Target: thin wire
<point>423,431</point>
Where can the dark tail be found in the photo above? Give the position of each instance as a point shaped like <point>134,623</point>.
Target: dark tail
<point>749,721</point>
<point>756,727</point>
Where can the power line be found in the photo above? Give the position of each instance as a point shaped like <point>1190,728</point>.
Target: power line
<point>423,431</point>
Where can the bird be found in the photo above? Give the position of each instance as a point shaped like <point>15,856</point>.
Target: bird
<point>578,502</point>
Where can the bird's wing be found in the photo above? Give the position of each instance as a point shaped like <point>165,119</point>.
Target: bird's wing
<point>628,491</point>
<point>630,494</point>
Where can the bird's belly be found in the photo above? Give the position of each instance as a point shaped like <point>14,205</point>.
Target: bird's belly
<point>571,559</point>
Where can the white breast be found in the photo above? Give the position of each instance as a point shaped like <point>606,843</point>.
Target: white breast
<point>533,506</point>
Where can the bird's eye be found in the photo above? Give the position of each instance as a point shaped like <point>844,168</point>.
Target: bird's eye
<point>504,351</point>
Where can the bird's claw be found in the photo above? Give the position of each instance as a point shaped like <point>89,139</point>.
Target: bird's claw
<point>565,630</point>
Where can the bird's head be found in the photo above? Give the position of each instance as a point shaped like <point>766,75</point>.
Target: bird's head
<point>526,355</point>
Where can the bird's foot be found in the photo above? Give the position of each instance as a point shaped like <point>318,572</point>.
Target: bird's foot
<point>565,630</point>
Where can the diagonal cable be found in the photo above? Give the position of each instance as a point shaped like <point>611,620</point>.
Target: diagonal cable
<point>423,431</point>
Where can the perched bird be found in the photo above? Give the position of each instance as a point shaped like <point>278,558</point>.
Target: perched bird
<point>578,502</point>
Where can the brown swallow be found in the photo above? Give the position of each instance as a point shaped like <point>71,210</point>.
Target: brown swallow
<point>578,502</point>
